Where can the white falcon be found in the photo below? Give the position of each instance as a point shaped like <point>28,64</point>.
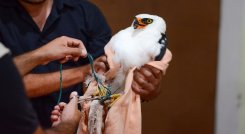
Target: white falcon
<point>143,41</point>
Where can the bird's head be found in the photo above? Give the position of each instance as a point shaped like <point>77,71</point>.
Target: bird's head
<point>143,21</point>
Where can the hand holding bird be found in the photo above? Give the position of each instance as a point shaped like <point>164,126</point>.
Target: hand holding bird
<point>136,64</point>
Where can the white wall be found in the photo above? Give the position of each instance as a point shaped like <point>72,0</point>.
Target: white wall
<point>230,67</point>
<point>241,129</point>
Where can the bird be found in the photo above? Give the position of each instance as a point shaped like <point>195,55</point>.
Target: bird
<point>144,41</point>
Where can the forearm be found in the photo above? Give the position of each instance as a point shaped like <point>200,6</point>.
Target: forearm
<point>26,62</point>
<point>58,49</point>
<point>43,84</point>
<point>63,128</point>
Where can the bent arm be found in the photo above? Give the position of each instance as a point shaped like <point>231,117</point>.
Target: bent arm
<point>57,49</point>
<point>42,84</point>
<point>26,62</point>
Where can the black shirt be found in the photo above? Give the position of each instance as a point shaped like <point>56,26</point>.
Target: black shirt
<point>73,18</point>
<point>17,115</point>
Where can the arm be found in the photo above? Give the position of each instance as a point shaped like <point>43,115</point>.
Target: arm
<point>28,61</point>
<point>65,118</point>
<point>62,128</point>
<point>42,84</point>
<point>49,82</point>
<point>18,114</point>
<point>62,48</point>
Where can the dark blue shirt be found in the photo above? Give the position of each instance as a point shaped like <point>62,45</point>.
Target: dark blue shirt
<point>17,114</point>
<point>73,18</point>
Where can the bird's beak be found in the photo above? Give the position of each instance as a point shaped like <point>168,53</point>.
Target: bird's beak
<point>138,24</point>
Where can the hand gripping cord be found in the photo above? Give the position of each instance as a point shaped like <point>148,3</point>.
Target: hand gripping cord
<point>94,74</point>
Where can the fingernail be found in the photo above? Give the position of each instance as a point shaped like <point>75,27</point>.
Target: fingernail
<point>68,57</point>
<point>73,94</point>
<point>84,53</point>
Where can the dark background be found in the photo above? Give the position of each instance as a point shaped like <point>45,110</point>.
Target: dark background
<point>186,104</point>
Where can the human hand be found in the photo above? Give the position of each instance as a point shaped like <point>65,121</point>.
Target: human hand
<point>146,82</point>
<point>63,49</point>
<point>100,64</point>
<point>66,113</point>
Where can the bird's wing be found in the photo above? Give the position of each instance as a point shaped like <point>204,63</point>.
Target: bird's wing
<point>164,43</point>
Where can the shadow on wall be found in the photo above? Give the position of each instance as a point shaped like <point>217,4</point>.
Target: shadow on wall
<point>186,104</point>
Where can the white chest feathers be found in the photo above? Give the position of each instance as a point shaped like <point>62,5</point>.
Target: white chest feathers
<point>134,48</point>
<point>137,45</point>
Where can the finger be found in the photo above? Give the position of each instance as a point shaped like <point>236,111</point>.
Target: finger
<point>100,67</point>
<point>144,94</point>
<point>148,75</point>
<point>84,50</point>
<point>64,60</point>
<point>156,72</point>
<point>67,58</point>
<point>104,60</point>
<point>69,43</point>
<point>138,90</point>
<point>138,77</point>
<point>54,118</point>
<point>145,85</point>
<point>62,105</point>
<point>57,107</point>
<point>101,59</point>
<point>75,59</point>
<point>74,94</point>
<point>75,52</point>
<point>74,100</point>
<point>72,42</point>
<point>56,112</point>
<point>75,44</point>
<point>135,87</point>
<point>79,44</point>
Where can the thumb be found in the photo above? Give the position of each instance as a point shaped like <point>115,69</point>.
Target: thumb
<point>73,99</point>
<point>76,52</point>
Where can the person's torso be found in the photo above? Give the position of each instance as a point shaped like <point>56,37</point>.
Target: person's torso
<point>20,34</point>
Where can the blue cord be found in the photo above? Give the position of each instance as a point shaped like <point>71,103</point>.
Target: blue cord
<point>61,81</point>
<point>97,79</point>
<point>91,61</point>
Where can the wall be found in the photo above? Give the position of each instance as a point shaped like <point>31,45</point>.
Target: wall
<point>230,67</point>
<point>186,104</point>
<point>241,129</point>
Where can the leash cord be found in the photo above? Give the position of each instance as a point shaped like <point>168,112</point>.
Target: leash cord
<point>97,79</point>
<point>61,81</point>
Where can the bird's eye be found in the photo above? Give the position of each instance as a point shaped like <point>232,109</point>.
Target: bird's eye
<point>149,21</point>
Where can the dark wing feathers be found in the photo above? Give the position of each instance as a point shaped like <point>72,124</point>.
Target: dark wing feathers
<point>163,41</point>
